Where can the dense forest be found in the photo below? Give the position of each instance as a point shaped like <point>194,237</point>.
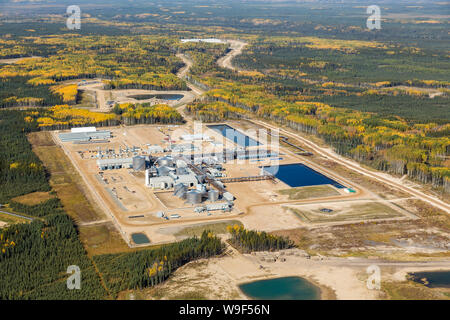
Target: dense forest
<point>131,114</point>
<point>50,206</point>
<point>61,117</point>
<point>21,171</point>
<point>249,240</point>
<point>35,257</point>
<point>146,268</point>
<point>215,111</point>
<point>362,75</point>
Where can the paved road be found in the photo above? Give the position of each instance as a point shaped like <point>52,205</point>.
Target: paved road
<point>17,215</point>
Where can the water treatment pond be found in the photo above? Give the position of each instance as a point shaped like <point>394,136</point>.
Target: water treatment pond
<point>234,135</point>
<point>287,288</point>
<point>157,96</point>
<point>299,175</point>
<point>140,238</point>
<point>432,279</point>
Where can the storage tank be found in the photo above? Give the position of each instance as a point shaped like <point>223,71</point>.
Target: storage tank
<point>139,163</point>
<point>165,161</point>
<point>194,197</point>
<point>213,195</point>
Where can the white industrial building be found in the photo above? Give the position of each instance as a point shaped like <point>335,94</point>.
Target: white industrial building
<point>208,40</point>
<point>167,178</point>
<point>193,137</point>
<point>155,149</point>
<point>84,135</point>
<point>108,164</point>
<point>83,129</point>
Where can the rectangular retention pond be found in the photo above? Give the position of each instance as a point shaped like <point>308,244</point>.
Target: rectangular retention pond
<point>299,175</point>
<point>234,135</point>
<point>162,96</point>
<point>140,238</point>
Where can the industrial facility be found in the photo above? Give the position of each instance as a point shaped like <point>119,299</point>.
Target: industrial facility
<point>148,173</point>
<point>85,134</point>
<point>188,181</point>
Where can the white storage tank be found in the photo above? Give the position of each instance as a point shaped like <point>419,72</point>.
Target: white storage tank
<point>194,197</point>
<point>165,161</point>
<point>213,195</point>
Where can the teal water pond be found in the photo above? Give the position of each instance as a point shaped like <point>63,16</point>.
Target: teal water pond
<point>287,288</point>
<point>140,238</point>
<point>432,279</point>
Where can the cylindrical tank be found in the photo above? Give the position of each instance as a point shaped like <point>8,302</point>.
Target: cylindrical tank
<point>213,195</point>
<point>139,163</point>
<point>165,161</point>
<point>201,187</point>
<point>194,197</point>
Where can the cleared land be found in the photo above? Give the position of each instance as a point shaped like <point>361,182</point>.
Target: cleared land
<point>310,192</point>
<point>215,227</point>
<point>101,239</point>
<point>64,179</point>
<point>343,211</point>
<point>34,198</point>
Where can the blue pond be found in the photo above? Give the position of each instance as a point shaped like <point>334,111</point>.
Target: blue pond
<point>432,279</point>
<point>288,288</point>
<point>161,96</point>
<point>234,135</point>
<point>299,175</point>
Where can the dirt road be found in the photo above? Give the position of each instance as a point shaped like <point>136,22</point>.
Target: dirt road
<point>236,47</point>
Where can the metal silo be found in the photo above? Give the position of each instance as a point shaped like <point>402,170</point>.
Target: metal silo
<point>194,197</point>
<point>213,195</point>
<point>139,163</point>
<point>165,161</point>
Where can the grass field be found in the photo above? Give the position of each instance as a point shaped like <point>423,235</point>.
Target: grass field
<point>310,192</point>
<point>64,179</point>
<point>215,227</point>
<point>102,239</point>
<point>409,290</point>
<point>34,198</point>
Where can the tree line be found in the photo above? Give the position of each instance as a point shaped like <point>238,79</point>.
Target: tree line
<point>249,240</point>
<point>21,171</point>
<point>146,268</point>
